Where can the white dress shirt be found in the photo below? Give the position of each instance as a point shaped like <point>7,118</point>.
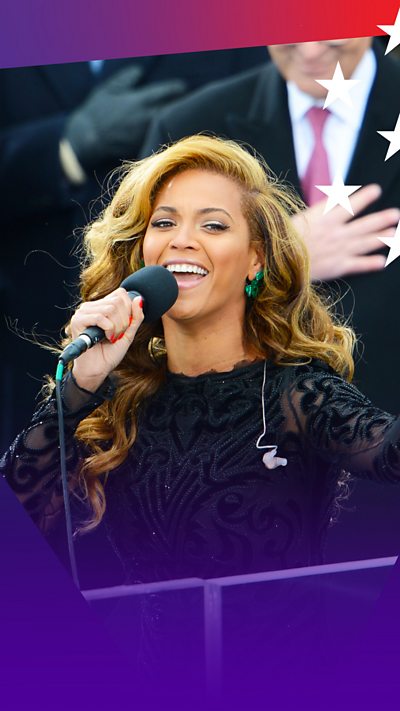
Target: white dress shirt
<point>342,126</point>
<point>96,65</point>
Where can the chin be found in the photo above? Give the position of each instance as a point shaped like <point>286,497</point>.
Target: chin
<point>180,312</point>
<point>310,86</point>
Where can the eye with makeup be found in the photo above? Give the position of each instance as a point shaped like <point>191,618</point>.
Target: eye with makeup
<point>210,226</point>
<point>163,222</point>
<point>215,226</point>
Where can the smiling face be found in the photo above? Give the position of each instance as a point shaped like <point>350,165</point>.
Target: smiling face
<point>305,62</point>
<point>197,230</point>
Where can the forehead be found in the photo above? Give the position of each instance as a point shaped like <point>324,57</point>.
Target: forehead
<point>200,187</point>
<point>335,46</point>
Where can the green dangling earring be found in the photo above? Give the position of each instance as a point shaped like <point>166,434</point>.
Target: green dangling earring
<point>254,287</point>
<point>141,264</point>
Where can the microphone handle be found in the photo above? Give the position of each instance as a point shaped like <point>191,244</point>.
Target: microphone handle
<point>87,339</point>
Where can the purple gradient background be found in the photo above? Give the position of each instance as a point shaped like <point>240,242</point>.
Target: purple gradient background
<point>45,31</point>
<point>54,651</point>
<point>52,646</point>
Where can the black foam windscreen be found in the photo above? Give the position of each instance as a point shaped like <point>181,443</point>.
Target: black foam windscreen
<point>158,288</point>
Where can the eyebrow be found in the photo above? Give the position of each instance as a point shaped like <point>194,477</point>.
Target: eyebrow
<point>202,211</point>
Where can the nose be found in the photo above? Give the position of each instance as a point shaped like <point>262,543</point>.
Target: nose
<point>183,238</point>
<point>310,51</point>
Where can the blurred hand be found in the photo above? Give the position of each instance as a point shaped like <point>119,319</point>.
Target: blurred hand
<point>339,244</point>
<point>120,318</point>
<point>110,125</point>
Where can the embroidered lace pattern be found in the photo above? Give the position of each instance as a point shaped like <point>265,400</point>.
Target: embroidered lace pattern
<point>194,498</point>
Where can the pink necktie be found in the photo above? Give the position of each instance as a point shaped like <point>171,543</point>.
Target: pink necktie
<point>317,172</point>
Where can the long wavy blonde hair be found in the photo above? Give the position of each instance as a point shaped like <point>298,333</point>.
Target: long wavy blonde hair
<point>287,323</point>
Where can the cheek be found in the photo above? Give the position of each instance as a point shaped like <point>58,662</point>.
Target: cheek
<point>151,248</point>
<point>310,86</point>
<point>284,63</point>
<point>232,268</point>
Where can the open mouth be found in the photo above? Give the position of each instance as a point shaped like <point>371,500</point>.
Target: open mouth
<point>187,274</point>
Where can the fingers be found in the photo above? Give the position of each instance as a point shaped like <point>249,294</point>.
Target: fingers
<point>123,80</point>
<point>112,314</point>
<point>361,236</point>
<point>125,84</point>
<point>359,201</point>
<point>374,223</point>
<point>93,366</point>
<point>340,245</point>
<point>135,319</point>
<point>157,92</point>
<point>365,196</point>
<point>359,265</point>
<point>365,245</point>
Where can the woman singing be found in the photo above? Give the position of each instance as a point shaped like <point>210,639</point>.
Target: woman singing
<point>219,439</point>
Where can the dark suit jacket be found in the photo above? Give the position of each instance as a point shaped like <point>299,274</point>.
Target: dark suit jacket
<point>36,101</point>
<point>253,109</point>
<point>41,208</point>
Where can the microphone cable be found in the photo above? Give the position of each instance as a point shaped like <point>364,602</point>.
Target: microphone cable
<point>64,475</point>
<point>159,289</point>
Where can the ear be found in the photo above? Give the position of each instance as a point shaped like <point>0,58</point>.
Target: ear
<point>256,263</point>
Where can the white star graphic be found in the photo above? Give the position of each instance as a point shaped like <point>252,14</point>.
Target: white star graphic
<point>394,244</point>
<point>394,32</point>
<point>338,194</point>
<point>338,87</point>
<point>394,139</point>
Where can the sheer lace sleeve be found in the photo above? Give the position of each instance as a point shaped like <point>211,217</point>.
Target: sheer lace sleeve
<point>341,425</point>
<point>31,464</point>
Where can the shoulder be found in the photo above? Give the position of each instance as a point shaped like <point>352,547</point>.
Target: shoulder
<point>389,62</point>
<point>387,76</point>
<point>313,367</point>
<point>313,379</point>
<point>215,99</point>
<point>316,385</point>
<point>200,68</point>
<point>318,374</point>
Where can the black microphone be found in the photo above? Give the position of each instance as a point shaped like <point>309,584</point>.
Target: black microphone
<point>159,291</point>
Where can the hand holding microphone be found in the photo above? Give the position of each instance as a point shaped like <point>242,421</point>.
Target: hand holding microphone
<point>106,328</point>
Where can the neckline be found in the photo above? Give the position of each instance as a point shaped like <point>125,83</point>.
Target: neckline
<point>236,372</point>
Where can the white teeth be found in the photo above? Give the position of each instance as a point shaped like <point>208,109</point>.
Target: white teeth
<point>191,268</point>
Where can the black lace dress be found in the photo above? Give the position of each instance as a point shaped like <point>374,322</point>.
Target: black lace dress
<point>194,497</point>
